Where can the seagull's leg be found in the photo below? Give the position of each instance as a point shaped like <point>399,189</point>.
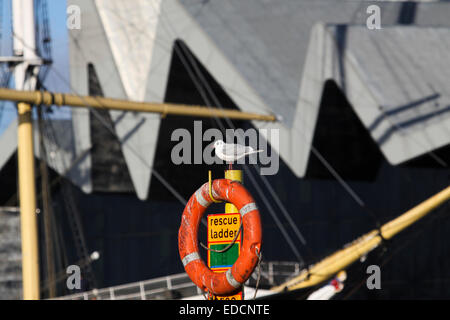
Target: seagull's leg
<point>230,165</point>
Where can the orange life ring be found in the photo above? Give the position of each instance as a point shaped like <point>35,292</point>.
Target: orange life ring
<point>230,281</point>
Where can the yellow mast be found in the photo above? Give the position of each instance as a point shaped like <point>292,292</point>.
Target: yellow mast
<point>341,259</point>
<point>27,197</point>
<point>26,68</point>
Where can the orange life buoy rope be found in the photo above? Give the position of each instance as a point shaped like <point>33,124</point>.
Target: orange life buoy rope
<point>230,281</point>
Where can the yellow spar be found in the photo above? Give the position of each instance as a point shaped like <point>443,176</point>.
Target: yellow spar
<point>338,261</point>
<point>63,99</point>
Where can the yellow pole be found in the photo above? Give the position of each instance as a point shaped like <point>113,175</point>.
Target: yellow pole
<point>62,99</point>
<point>27,197</point>
<point>235,175</point>
<point>361,246</point>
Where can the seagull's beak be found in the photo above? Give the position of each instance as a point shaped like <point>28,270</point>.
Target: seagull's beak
<point>211,145</point>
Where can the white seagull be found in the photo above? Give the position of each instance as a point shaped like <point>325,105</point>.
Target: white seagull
<point>230,152</point>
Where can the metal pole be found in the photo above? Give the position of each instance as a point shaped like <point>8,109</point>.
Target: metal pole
<point>61,99</point>
<point>27,196</point>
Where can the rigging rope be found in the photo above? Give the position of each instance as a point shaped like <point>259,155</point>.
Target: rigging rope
<point>70,205</point>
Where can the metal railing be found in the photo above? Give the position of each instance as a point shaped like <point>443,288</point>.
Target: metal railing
<point>179,286</point>
<point>168,287</point>
<point>275,272</point>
